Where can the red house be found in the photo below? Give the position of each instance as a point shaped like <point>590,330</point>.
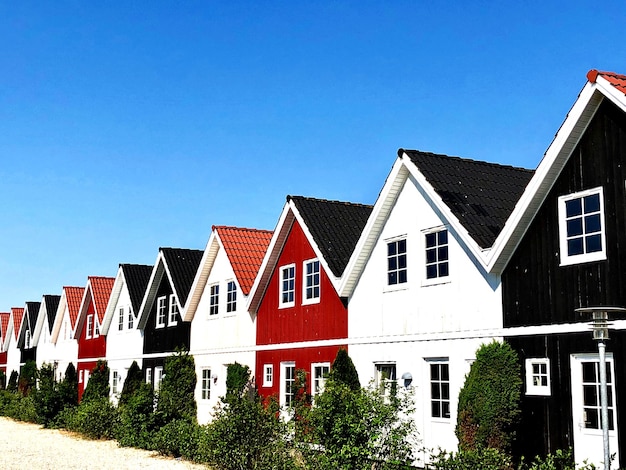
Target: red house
<point>301,320</point>
<point>4,326</point>
<point>91,344</point>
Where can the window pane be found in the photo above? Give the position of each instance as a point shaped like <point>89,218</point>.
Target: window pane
<point>431,272</point>
<point>575,246</point>
<point>573,207</point>
<point>574,227</point>
<point>592,223</point>
<point>589,371</point>
<point>431,255</point>
<point>593,243</point>
<point>442,237</point>
<point>443,253</point>
<point>592,203</point>
<point>431,240</point>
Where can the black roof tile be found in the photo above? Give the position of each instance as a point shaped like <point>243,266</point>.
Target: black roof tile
<point>52,303</point>
<point>335,226</point>
<point>33,311</point>
<point>182,264</point>
<point>481,195</point>
<point>137,277</point>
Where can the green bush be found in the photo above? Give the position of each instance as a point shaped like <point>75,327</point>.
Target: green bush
<point>98,385</point>
<point>95,418</point>
<point>13,378</point>
<point>137,425</point>
<point>483,459</point>
<point>9,404</point>
<point>343,371</point>
<point>46,398</point>
<point>178,438</point>
<point>68,388</point>
<point>176,396</point>
<point>28,378</point>
<point>3,380</point>
<point>489,402</point>
<point>560,460</point>
<point>237,377</point>
<point>132,383</point>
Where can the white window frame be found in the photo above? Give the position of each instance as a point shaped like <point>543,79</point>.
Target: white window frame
<point>115,379</point>
<point>438,279</point>
<point>231,296</point>
<point>173,311</point>
<point>214,299</point>
<point>287,382</point>
<point>318,382</point>
<point>397,270</point>
<point>96,326</point>
<point>268,375</point>
<point>80,376</point>
<point>534,377</point>
<point>287,289</point>
<point>86,377</point>
<point>306,276</point>
<point>431,381</point>
<point>89,326</point>
<point>27,340</point>
<point>161,312</point>
<point>206,384</point>
<point>585,257</point>
<point>158,377</point>
<point>121,319</point>
<point>131,318</point>
<point>149,376</point>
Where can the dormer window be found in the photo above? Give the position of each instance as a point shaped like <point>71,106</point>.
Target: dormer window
<point>173,311</point>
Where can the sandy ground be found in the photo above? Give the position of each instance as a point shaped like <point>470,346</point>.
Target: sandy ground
<point>28,446</point>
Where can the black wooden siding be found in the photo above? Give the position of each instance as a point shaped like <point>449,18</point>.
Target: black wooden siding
<point>538,291</point>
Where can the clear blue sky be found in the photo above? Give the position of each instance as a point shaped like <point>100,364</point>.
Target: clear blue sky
<point>125,126</point>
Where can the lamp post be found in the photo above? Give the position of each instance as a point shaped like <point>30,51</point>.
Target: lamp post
<point>600,327</point>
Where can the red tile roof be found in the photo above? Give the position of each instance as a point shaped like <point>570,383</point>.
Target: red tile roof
<point>18,313</point>
<point>615,79</point>
<point>245,249</point>
<point>4,324</point>
<point>101,288</point>
<point>73,295</point>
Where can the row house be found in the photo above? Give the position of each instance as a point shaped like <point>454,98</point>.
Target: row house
<point>25,343</point>
<point>4,326</point>
<point>42,336</point>
<point>65,344</point>
<point>301,321</point>
<point>10,341</point>
<point>222,329</point>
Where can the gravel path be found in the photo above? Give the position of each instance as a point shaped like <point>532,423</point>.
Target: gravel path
<point>29,446</point>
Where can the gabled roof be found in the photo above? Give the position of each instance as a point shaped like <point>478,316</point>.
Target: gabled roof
<point>600,86</point>
<point>4,328</point>
<point>331,227</point>
<point>71,298</point>
<point>135,277</point>
<point>47,312</point>
<point>17,314</point>
<point>244,248</point>
<point>97,292</point>
<point>180,266</point>
<point>29,320</point>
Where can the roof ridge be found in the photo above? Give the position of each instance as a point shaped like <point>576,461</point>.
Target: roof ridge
<point>334,201</point>
<point>232,227</point>
<point>465,159</point>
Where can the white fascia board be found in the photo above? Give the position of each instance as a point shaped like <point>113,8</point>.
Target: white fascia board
<point>58,318</point>
<point>213,246</point>
<point>151,290</point>
<point>612,93</point>
<point>380,213</point>
<point>23,324</point>
<point>545,176</point>
<point>118,285</point>
<point>84,306</point>
<point>275,248</point>
<point>8,333</point>
<point>41,316</point>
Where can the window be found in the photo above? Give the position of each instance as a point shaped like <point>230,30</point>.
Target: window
<point>173,311</point>
<point>65,328</point>
<point>214,299</point>
<point>158,377</point>
<point>86,378</point>
<point>148,376</point>
<point>288,383</point>
<point>89,331</point>
<point>311,286</point>
<point>320,374</point>
<point>96,327</point>
<point>114,381</point>
<point>440,389</point>
<point>120,321</point>
<point>287,285</point>
<point>206,384</point>
<point>538,376</point>
<point>437,254</point>
<point>231,296</point>
<point>591,395</point>
<point>396,262</point>
<point>131,318</point>
<point>581,227</point>
<point>268,375</point>
<point>161,311</point>
<point>80,376</point>
<point>27,340</point>
<point>386,377</point>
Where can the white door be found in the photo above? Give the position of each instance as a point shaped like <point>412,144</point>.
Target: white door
<point>586,409</point>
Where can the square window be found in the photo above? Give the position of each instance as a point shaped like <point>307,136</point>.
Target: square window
<point>581,227</point>
<point>538,376</point>
<point>440,389</point>
<point>311,282</point>
<point>231,296</point>
<point>287,286</point>
<point>385,378</point>
<point>206,384</point>
<point>437,265</point>
<point>268,375</point>
<point>396,262</point>
<point>320,375</point>
<point>161,311</point>
<point>214,299</point>
<point>173,317</point>
<point>120,321</point>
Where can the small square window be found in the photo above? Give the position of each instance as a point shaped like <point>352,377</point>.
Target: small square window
<point>287,286</point>
<point>311,281</point>
<point>396,262</point>
<point>214,299</point>
<point>173,317</point>
<point>268,375</point>
<point>161,311</point>
<point>231,297</point>
<point>538,376</point>
<point>437,254</point>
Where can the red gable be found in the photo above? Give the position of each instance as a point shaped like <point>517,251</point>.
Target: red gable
<point>18,313</point>
<point>73,295</point>
<point>101,288</point>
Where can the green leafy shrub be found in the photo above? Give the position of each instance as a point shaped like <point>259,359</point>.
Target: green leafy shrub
<point>489,401</point>
<point>560,460</point>
<point>98,385</point>
<point>137,425</point>
<point>8,404</point>
<point>178,438</point>
<point>3,380</point>
<point>26,409</point>
<point>237,377</point>
<point>13,378</point>
<point>483,459</point>
<point>68,388</point>
<point>28,377</point>
<point>95,418</point>
<point>46,398</point>
<point>176,399</point>
<point>132,383</point>
<point>343,371</point>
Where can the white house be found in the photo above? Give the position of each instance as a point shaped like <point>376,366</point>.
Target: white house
<point>222,330</point>
<point>120,325</point>
<point>10,341</point>
<point>42,335</point>
<point>420,299</point>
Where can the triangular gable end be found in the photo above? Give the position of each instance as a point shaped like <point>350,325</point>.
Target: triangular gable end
<point>45,318</point>
<point>71,298</point>
<point>600,85</point>
<point>118,286</point>
<point>97,292</point>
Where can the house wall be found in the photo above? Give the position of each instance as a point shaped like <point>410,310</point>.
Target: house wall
<point>93,347</point>
<point>45,346</point>
<point>417,322</point>
<point>598,160</point>
<point>66,347</point>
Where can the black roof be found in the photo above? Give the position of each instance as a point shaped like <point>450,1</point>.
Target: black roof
<point>481,195</point>
<point>137,277</point>
<point>52,303</point>
<point>182,264</point>
<point>335,226</point>
<point>33,311</point>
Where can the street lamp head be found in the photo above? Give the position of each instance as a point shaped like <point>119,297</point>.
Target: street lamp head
<point>600,320</point>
